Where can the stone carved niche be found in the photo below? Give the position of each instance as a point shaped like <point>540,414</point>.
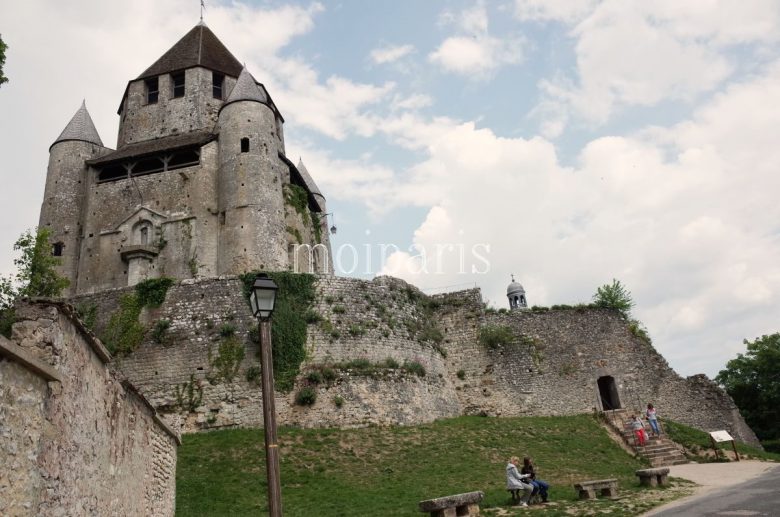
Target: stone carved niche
<point>141,244</point>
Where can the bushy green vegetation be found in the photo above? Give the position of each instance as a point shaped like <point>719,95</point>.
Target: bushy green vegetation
<point>387,471</point>
<point>698,442</point>
<point>151,292</point>
<point>493,336</point>
<point>35,275</point>
<point>753,381</point>
<point>124,332</point>
<point>288,326</point>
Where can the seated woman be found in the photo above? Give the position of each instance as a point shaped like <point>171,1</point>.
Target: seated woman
<point>540,487</point>
<point>515,482</point>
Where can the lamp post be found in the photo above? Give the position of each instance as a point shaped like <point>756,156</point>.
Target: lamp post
<point>262,300</point>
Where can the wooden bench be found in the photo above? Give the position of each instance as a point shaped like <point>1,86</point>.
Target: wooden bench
<point>587,489</point>
<point>653,477</point>
<point>466,505</point>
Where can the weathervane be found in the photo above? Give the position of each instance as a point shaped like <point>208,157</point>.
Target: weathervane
<point>202,8</point>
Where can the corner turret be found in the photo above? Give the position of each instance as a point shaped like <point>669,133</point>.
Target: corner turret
<point>66,183</point>
<point>250,179</point>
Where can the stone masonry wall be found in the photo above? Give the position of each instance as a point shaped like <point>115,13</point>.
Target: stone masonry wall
<point>87,444</point>
<point>556,358</point>
<point>551,367</point>
<point>179,380</point>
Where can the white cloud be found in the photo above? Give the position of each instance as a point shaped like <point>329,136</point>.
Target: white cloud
<point>686,216</point>
<point>390,54</point>
<point>475,54</point>
<point>558,10</point>
<point>476,57</point>
<point>632,53</point>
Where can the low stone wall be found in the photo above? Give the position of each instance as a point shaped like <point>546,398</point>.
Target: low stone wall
<point>72,430</point>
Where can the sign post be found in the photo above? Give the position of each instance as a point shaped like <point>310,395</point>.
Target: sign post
<point>723,436</point>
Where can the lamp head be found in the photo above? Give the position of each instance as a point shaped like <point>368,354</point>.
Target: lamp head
<point>263,296</point>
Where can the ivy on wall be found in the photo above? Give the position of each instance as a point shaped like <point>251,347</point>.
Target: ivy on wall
<point>124,332</point>
<point>288,326</point>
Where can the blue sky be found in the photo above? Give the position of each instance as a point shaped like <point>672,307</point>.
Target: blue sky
<point>568,142</point>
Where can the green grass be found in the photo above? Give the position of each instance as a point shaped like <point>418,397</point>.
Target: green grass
<point>694,441</point>
<point>388,470</point>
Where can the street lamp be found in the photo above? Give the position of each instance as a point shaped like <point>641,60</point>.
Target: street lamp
<point>262,300</point>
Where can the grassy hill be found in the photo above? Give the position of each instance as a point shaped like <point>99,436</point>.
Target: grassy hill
<point>386,471</point>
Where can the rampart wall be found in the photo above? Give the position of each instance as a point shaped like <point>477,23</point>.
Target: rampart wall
<point>75,437</point>
<point>550,367</point>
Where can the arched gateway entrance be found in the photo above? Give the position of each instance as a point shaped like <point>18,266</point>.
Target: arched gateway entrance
<point>608,393</point>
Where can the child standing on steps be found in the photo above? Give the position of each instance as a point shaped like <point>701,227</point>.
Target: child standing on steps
<point>653,419</point>
<point>639,430</point>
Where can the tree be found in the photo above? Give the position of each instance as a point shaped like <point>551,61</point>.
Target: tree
<point>3,46</point>
<point>35,275</point>
<point>753,381</point>
<point>614,296</point>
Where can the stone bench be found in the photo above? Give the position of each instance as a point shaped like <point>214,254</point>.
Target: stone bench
<point>453,505</point>
<point>653,477</point>
<point>587,489</point>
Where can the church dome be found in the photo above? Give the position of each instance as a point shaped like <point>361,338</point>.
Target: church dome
<point>515,288</point>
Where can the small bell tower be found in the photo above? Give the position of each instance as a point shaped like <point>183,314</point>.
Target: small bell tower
<point>516,295</point>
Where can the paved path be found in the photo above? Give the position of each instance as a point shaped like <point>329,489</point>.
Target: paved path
<point>735,488</point>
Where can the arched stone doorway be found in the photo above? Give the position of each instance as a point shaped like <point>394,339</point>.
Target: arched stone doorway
<point>608,393</point>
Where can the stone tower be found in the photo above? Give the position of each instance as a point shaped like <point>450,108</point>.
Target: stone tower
<point>199,184</point>
<point>516,295</point>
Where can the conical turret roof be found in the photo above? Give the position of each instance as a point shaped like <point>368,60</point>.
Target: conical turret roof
<point>81,128</point>
<point>247,89</point>
<point>199,47</point>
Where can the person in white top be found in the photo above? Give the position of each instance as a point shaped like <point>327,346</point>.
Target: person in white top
<point>517,483</point>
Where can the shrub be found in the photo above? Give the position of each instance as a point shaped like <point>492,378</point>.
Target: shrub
<point>314,377</point>
<point>160,332</point>
<point>312,316</point>
<point>415,368</point>
<point>493,336</point>
<point>88,314</point>
<point>123,332</point>
<point>253,374</point>
<point>306,396</point>
<point>431,333</point>
<point>227,330</point>
<point>229,356</point>
<point>356,330</point>
<point>461,374</point>
<point>151,292</point>
<point>329,300</point>
<point>338,400</point>
<point>329,374</point>
<point>339,309</point>
<point>390,363</point>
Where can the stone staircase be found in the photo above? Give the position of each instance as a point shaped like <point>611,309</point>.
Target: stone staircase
<point>661,451</point>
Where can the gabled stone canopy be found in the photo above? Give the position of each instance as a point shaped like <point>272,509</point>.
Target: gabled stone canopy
<point>80,128</point>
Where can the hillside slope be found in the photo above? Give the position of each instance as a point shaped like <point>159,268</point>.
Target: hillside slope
<point>387,470</point>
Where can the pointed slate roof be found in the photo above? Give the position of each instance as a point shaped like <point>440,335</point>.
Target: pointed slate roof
<point>199,47</point>
<point>81,128</point>
<point>308,179</point>
<point>247,89</point>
